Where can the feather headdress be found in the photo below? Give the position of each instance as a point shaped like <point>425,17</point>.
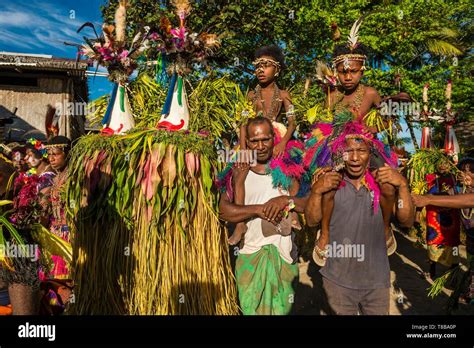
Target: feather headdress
<point>352,44</point>
<point>353,38</point>
<point>325,75</point>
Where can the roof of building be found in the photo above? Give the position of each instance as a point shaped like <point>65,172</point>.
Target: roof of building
<point>39,62</point>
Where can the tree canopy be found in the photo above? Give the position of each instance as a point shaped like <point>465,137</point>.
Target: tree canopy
<point>416,41</point>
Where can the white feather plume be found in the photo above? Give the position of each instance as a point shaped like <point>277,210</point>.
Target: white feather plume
<point>354,34</point>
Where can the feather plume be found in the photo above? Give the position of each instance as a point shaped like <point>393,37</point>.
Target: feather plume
<point>108,30</point>
<point>120,21</point>
<point>90,25</point>
<point>324,74</point>
<point>183,7</point>
<point>354,34</point>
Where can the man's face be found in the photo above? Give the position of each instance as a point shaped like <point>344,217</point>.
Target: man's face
<point>349,76</point>
<point>265,71</point>
<point>260,139</point>
<point>57,158</point>
<point>31,159</point>
<point>356,157</point>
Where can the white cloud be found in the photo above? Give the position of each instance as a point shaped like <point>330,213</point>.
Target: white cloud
<point>39,25</point>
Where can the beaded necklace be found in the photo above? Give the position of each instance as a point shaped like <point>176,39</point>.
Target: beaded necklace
<point>275,104</point>
<point>354,105</point>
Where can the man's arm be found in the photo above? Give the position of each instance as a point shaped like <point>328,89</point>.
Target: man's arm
<point>405,208</point>
<point>231,212</point>
<point>290,116</point>
<point>405,211</point>
<point>326,180</point>
<point>454,201</point>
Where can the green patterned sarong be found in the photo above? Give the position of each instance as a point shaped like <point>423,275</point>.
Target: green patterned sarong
<point>264,282</point>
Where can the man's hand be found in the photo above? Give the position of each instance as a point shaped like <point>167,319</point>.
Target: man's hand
<point>326,180</point>
<point>388,175</point>
<point>274,207</point>
<point>421,201</point>
<point>279,149</point>
<point>240,171</point>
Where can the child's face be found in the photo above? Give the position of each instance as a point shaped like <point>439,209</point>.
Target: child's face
<point>349,75</point>
<point>266,71</point>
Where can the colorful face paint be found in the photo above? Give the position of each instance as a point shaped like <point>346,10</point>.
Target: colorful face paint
<point>33,161</point>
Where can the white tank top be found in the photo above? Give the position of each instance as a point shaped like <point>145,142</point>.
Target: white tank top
<point>258,190</point>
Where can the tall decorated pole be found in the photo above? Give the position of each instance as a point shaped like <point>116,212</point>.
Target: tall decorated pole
<point>114,51</point>
<point>175,112</point>
<point>451,146</point>
<point>426,142</point>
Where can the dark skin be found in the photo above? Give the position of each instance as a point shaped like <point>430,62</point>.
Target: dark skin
<point>267,76</point>
<point>57,159</point>
<point>260,139</point>
<point>356,163</point>
<point>350,79</point>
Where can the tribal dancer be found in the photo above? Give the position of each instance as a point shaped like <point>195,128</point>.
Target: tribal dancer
<point>31,192</point>
<point>56,282</point>
<point>267,100</point>
<point>350,101</point>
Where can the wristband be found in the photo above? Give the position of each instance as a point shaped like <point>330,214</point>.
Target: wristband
<point>291,205</point>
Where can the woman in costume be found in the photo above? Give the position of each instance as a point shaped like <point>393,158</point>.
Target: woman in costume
<point>56,281</point>
<point>31,192</point>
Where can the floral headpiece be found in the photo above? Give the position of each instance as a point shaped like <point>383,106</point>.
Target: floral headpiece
<point>352,43</point>
<point>39,146</point>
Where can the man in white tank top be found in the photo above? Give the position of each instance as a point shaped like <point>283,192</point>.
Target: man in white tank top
<point>266,266</point>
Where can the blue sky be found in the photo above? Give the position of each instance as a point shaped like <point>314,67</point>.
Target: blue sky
<point>41,27</point>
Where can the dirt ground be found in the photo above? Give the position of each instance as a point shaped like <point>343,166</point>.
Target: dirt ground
<point>408,293</point>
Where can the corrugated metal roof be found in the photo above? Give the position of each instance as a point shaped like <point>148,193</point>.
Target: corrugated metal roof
<point>39,62</point>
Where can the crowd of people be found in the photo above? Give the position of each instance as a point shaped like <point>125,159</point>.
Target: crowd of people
<point>39,176</point>
<point>357,194</point>
<point>340,177</point>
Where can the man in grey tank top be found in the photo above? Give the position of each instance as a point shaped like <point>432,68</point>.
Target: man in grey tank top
<point>356,277</point>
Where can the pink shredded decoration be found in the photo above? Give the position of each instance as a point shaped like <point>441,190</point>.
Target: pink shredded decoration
<point>374,187</point>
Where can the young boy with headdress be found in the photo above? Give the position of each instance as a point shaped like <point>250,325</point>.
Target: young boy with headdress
<point>268,100</point>
<point>350,101</point>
